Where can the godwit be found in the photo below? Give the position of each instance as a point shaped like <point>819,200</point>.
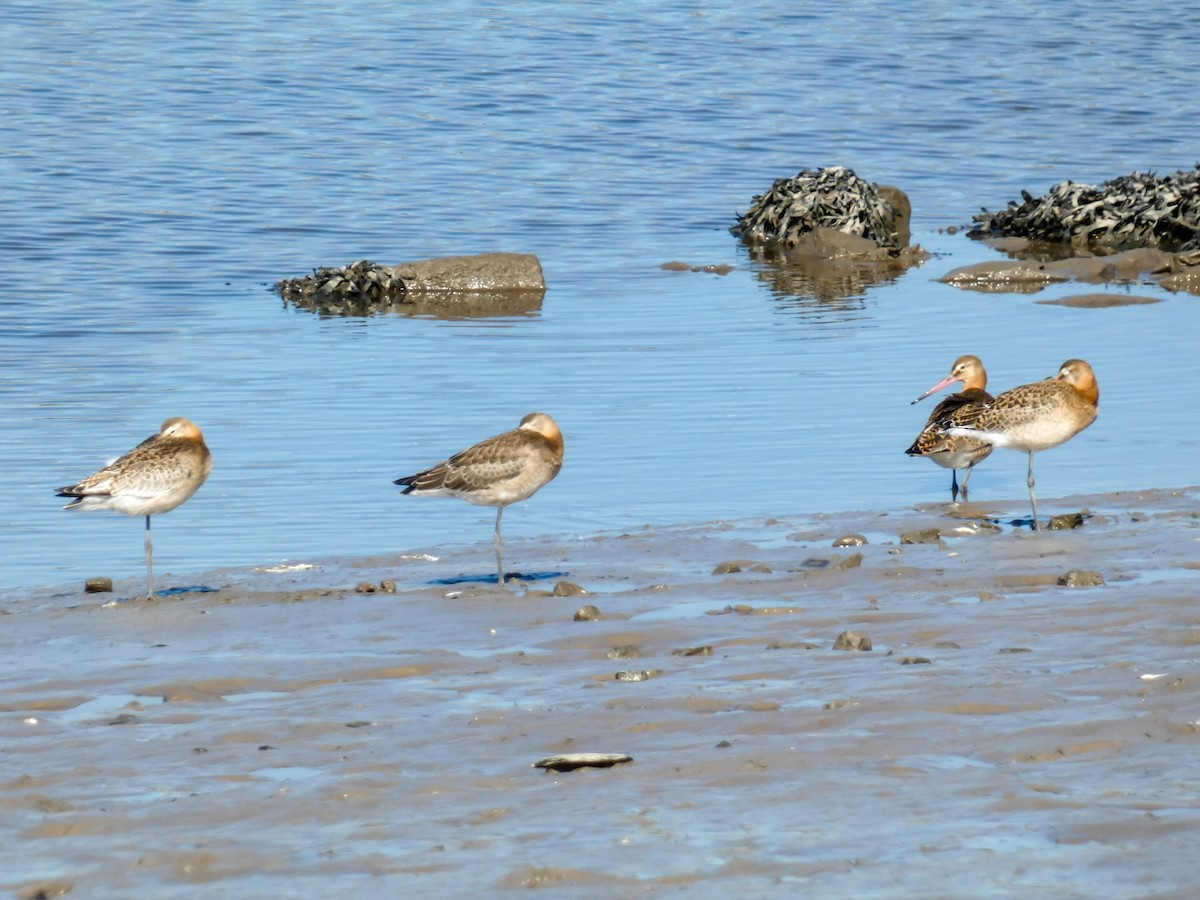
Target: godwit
<point>1035,417</point>
<point>934,443</point>
<point>154,477</point>
<point>501,470</point>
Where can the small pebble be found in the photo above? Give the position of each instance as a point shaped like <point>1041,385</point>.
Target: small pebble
<point>1066,522</point>
<point>636,674</point>
<point>98,586</point>
<point>565,762</point>
<point>569,589</point>
<point>625,651</point>
<point>926,536</point>
<point>364,587</point>
<point>587,613</point>
<point>388,586</point>
<point>915,661</point>
<point>1081,578</point>
<point>693,651</point>
<point>851,640</point>
<point>850,540</point>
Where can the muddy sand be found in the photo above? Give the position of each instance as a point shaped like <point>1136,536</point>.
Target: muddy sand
<point>288,736</point>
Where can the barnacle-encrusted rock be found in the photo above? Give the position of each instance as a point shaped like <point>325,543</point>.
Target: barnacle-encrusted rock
<point>1136,210</point>
<point>830,235</point>
<point>831,199</point>
<point>482,284</point>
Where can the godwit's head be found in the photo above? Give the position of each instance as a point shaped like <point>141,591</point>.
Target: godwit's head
<point>181,428</point>
<point>1078,373</point>
<point>544,425</point>
<point>968,369</point>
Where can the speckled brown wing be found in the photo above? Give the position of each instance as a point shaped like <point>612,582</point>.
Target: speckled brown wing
<point>500,470</point>
<point>953,411</point>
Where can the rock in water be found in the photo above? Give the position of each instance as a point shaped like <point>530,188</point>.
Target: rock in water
<point>1135,210</point>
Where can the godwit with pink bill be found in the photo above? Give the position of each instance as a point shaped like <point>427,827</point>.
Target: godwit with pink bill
<point>501,470</point>
<point>934,443</point>
<point>1035,417</point>
<point>154,477</point>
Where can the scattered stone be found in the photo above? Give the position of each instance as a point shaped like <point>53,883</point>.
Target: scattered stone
<point>1009,276</point>
<point>625,651</point>
<point>1066,521</point>
<point>676,266</point>
<point>723,745</point>
<point>705,650</point>
<point>740,565</point>
<point>587,613</point>
<point>359,723</point>
<point>568,589</point>
<point>915,661</point>
<point>972,528</point>
<point>566,762</point>
<point>364,587</point>
<point>851,540</point>
<point>1015,650</point>
<point>97,586</point>
<point>850,640</point>
<point>637,674</point>
<point>388,586</point>
<point>925,536</point>
<point>1081,578</point>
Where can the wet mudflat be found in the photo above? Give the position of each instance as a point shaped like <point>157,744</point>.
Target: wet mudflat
<point>288,735</point>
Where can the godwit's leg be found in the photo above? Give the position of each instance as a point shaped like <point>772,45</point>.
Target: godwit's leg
<point>499,558</point>
<point>149,562</point>
<point>954,486</point>
<point>1033,496</point>
<point>966,480</point>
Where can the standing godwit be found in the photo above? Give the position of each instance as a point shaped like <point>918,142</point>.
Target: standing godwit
<point>501,470</point>
<point>1035,417</point>
<point>154,477</point>
<point>934,443</point>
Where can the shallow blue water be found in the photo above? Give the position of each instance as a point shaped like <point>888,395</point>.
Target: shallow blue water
<point>163,166</point>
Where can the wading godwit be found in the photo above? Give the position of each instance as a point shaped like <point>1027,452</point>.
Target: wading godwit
<point>501,470</point>
<point>154,477</point>
<point>934,443</point>
<point>1035,417</point>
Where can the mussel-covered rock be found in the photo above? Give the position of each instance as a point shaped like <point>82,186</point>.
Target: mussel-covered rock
<point>1136,210</point>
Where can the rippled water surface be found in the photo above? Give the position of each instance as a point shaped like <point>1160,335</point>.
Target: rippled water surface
<point>163,165</point>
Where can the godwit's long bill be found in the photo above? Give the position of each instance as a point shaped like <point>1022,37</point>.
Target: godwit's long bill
<point>501,470</point>
<point>934,443</point>
<point>1036,417</point>
<point>154,477</point>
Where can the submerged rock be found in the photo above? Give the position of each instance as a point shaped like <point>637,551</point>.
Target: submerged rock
<point>480,285</point>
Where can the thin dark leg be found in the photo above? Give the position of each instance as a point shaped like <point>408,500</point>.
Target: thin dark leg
<point>499,558</point>
<point>1033,496</point>
<point>149,562</point>
<point>954,486</point>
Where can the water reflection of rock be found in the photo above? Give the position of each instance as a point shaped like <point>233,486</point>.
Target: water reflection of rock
<point>831,267</point>
<point>829,235</point>
<point>451,287</point>
<point>1034,265</point>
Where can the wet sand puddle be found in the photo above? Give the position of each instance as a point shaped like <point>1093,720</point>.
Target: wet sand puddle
<point>284,736</point>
